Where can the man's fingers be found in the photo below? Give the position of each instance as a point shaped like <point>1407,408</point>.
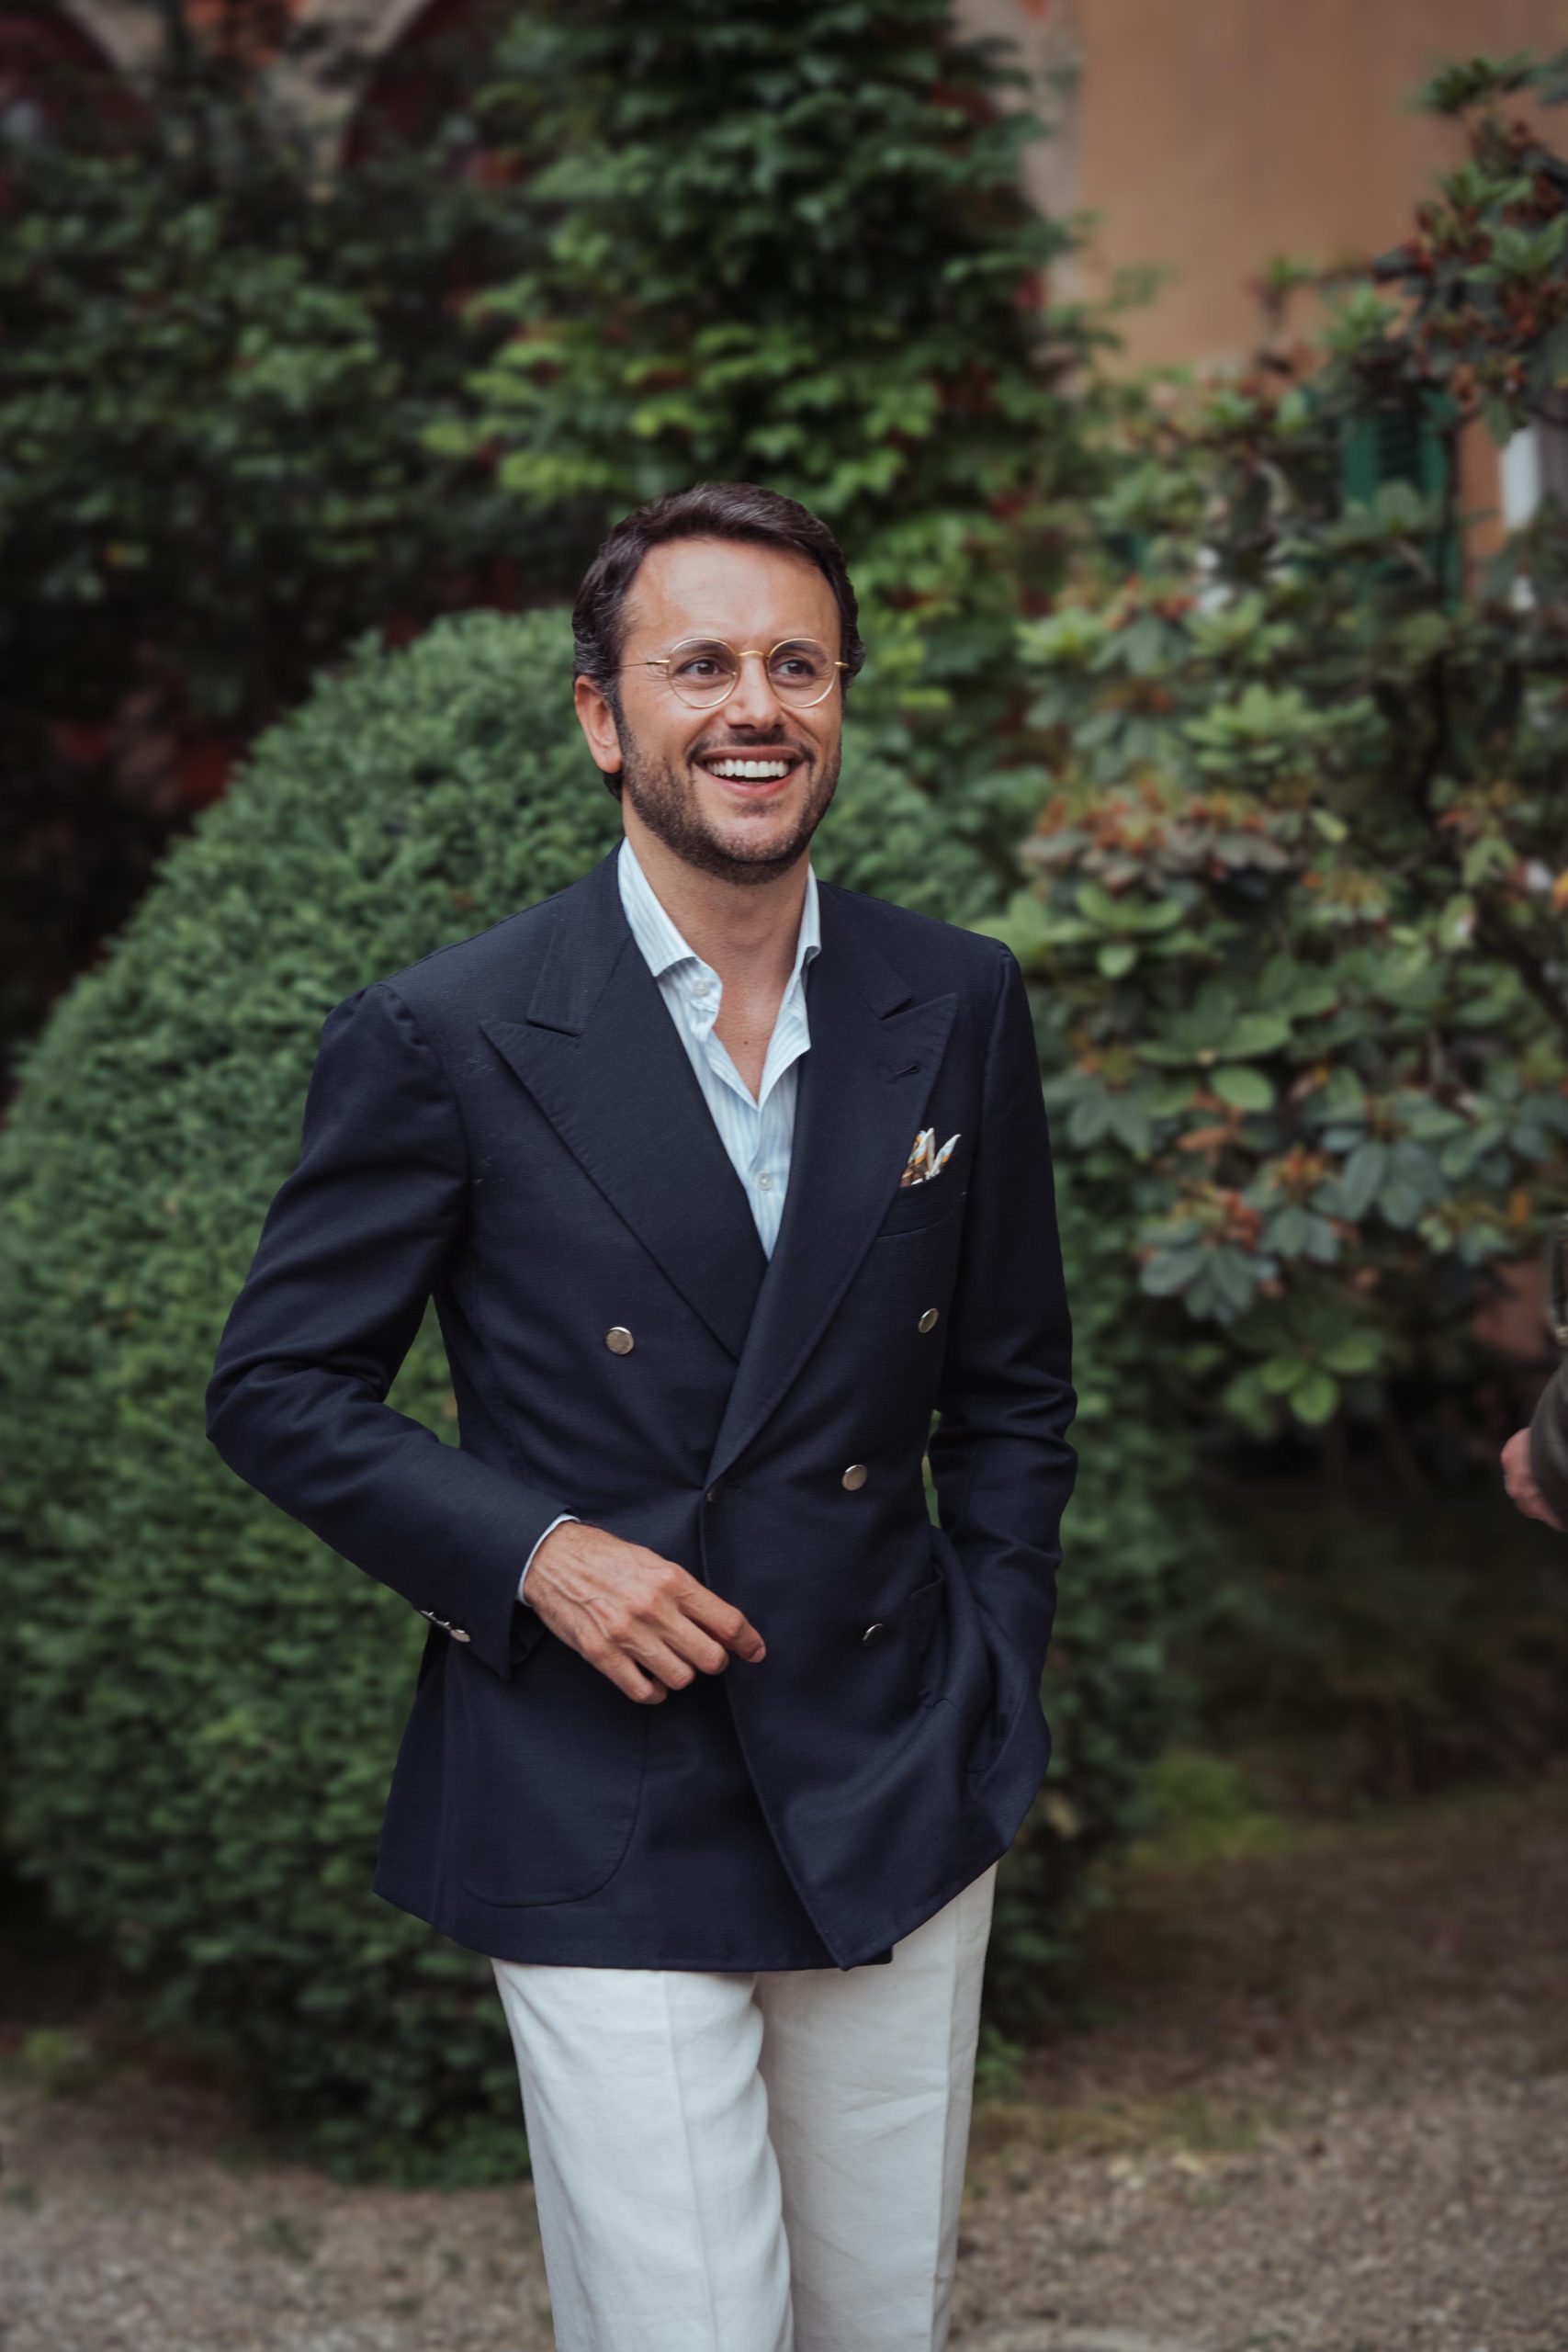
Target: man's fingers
<point>1518,1478</point>
<point>724,1622</point>
<point>617,1664</point>
<point>642,1620</point>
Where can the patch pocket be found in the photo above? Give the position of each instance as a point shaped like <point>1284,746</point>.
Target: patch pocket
<point>547,1780</point>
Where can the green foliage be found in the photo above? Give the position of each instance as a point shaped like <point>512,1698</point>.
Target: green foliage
<point>216,371</point>
<point>58,2062</point>
<point>1107,1692</point>
<point>791,246</point>
<point>203,1703</point>
<point>215,376</point>
<point>1367,1651</point>
<point>1297,896</point>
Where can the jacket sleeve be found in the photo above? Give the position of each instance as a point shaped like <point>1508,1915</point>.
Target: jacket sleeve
<point>1000,1460</point>
<point>1549,1443</point>
<point>355,1240</point>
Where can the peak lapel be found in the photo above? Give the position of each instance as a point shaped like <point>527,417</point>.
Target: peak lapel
<point>599,1053</point>
<point>862,1087</point>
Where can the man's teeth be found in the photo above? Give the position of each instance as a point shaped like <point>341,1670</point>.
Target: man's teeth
<point>748,770</point>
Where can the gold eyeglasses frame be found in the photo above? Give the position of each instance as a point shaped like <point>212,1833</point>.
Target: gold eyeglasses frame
<point>666,661</point>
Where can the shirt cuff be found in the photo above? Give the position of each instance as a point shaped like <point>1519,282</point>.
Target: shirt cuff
<point>529,1561</point>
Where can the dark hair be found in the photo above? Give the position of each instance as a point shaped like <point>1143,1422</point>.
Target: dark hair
<point>709,510</point>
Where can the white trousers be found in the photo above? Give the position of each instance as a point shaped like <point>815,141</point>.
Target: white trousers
<point>765,2161</point>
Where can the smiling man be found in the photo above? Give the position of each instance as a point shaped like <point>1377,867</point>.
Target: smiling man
<point>718,1739</point>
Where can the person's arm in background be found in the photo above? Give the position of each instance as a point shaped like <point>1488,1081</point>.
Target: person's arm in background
<point>1534,1460</point>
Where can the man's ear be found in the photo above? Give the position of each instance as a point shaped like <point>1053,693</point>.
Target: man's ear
<point>598,723</point>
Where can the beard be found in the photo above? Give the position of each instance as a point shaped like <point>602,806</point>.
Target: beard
<point>665,798</point>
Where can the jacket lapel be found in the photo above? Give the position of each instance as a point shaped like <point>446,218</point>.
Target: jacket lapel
<point>599,1053</point>
<point>876,1049</point>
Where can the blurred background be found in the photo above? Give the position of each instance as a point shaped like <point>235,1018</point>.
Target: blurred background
<point>1188,389</point>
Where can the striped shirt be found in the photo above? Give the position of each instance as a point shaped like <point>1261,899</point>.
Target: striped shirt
<point>757,1131</point>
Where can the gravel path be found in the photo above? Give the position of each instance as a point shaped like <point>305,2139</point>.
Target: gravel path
<point>1324,2109</point>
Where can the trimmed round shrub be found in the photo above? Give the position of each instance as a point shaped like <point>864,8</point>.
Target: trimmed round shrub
<point>202,1701</point>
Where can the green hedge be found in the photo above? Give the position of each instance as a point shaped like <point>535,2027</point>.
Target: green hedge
<point>203,1702</point>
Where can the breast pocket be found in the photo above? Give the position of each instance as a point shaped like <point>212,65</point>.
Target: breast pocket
<point>915,1206</point>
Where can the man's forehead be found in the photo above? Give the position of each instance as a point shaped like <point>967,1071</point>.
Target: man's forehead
<point>722,585</point>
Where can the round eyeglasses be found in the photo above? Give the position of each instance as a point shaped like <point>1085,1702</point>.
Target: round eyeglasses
<point>705,670</point>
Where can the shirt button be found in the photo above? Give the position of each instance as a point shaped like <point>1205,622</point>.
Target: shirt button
<point>765,1182</point>
<point>618,1339</point>
<point>856,1476</point>
<point>928,1320</point>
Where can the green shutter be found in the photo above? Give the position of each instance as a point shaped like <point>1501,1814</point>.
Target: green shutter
<point>1405,444</point>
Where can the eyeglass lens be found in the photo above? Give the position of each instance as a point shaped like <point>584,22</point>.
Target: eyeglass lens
<point>703,671</point>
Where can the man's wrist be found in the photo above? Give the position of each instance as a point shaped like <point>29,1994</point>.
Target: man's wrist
<point>528,1563</point>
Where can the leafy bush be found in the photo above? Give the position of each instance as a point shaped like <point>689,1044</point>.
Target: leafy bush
<point>791,246</point>
<point>203,1702</point>
<point>1298,891</point>
<point>216,368</point>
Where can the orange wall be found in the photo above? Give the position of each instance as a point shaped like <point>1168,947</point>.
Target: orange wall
<point>1215,133</point>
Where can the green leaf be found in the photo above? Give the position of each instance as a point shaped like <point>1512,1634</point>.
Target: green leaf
<point>1316,1399</point>
<point>1244,1089</point>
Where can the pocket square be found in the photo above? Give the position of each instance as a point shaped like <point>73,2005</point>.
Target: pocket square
<point>925,1162</point>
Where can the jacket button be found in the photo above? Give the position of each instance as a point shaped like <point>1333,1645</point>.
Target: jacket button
<point>856,1476</point>
<point>457,1633</point>
<point>618,1339</point>
<point>873,1633</point>
<point>928,1320</point>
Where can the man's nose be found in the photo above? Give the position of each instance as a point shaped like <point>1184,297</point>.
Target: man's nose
<point>751,701</point>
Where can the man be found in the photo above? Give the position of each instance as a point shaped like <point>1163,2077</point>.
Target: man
<point>722,1180</point>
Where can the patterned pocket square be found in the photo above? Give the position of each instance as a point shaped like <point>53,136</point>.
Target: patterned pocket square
<point>925,1162</point>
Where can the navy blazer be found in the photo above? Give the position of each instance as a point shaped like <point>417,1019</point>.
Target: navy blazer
<point>511,1126</point>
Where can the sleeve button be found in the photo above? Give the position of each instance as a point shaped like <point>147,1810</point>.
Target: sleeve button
<point>618,1339</point>
<point>928,1320</point>
<point>856,1476</point>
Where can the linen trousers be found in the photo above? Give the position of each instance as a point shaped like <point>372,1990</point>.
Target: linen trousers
<point>753,2161</point>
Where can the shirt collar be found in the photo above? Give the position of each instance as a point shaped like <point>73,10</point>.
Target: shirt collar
<point>661,943</point>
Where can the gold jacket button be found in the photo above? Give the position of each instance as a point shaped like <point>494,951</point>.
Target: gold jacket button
<point>618,1339</point>
<point>871,1631</point>
<point>928,1320</point>
<point>856,1476</point>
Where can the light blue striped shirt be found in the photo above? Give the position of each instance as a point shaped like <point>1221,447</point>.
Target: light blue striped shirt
<point>757,1131</point>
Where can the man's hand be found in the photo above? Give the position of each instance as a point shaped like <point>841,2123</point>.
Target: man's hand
<point>1517,1476</point>
<point>643,1620</point>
